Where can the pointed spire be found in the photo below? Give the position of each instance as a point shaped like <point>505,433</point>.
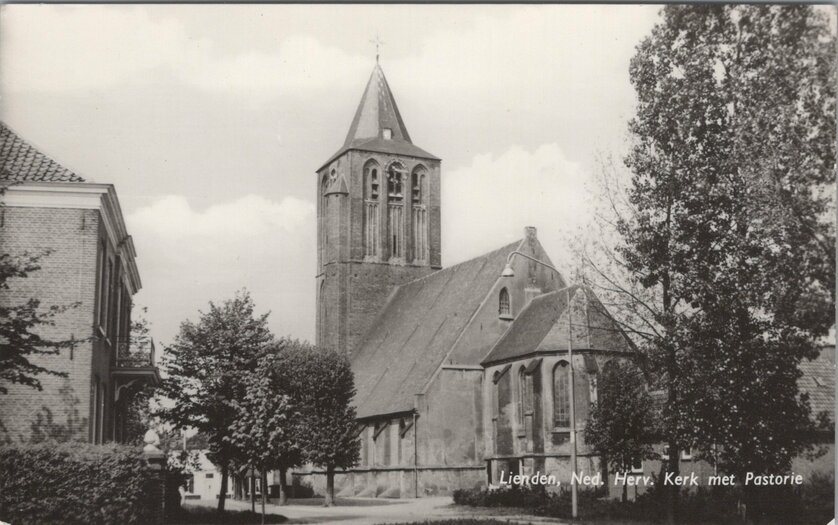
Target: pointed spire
<point>378,125</point>
<point>377,113</point>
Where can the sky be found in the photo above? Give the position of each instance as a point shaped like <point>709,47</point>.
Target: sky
<point>211,119</point>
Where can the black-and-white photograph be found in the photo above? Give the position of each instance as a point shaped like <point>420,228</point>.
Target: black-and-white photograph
<point>417,263</point>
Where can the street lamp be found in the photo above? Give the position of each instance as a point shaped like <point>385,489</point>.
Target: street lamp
<point>509,272</point>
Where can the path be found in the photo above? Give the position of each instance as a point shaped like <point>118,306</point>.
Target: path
<point>371,511</point>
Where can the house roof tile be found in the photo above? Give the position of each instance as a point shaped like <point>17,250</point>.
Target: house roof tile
<point>22,162</point>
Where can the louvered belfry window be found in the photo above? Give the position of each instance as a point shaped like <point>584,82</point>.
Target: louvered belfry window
<point>371,213</point>
<point>419,219</point>
<point>395,209</point>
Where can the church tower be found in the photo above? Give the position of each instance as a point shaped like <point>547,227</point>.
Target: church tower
<point>378,218</point>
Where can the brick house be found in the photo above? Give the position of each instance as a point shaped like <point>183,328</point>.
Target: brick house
<point>89,262</point>
<point>463,372</point>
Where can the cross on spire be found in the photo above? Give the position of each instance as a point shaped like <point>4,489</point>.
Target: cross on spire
<point>378,42</point>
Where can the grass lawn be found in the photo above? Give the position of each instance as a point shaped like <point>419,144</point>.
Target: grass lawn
<point>194,515</point>
<point>341,502</point>
<point>465,521</point>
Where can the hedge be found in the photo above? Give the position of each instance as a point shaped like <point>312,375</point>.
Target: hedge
<point>811,504</point>
<point>75,483</point>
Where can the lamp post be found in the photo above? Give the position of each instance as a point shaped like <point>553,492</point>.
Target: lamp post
<point>509,272</point>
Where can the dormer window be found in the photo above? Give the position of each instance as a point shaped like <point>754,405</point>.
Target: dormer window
<point>503,304</point>
<point>387,133</point>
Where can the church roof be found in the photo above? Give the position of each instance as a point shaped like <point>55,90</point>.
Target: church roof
<point>21,162</point>
<point>376,112</point>
<point>542,327</point>
<point>416,329</point>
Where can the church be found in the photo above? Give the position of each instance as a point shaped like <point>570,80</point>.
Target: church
<point>462,373</point>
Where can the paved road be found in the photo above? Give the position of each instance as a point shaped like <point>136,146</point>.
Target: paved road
<point>364,511</point>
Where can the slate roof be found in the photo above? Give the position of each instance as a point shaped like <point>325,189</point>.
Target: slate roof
<point>818,381</point>
<point>21,162</point>
<point>377,111</point>
<point>416,329</point>
<point>542,326</point>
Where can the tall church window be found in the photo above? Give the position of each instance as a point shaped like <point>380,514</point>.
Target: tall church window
<point>395,209</point>
<point>561,395</point>
<point>321,224</point>
<point>371,211</point>
<point>503,302</point>
<point>418,191</point>
<point>522,395</point>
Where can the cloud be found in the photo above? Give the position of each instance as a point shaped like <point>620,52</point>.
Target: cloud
<point>489,202</point>
<point>125,44</point>
<point>189,257</point>
<point>172,217</point>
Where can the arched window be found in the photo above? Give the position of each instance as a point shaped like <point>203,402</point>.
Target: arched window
<point>503,405</point>
<point>371,213</point>
<point>395,208</point>
<point>371,183</point>
<point>561,395</point>
<point>503,302</point>
<point>522,392</point>
<point>417,185</point>
<point>395,182</point>
<point>418,192</point>
<point>321,224</point>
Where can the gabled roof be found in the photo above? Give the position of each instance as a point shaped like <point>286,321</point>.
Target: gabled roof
<point>21,162</point>
<point>376,112</point>
<point>415,330</point>
<point>542,327</point>
<point>818,381</point>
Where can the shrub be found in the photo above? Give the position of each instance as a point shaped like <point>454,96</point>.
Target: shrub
<point>75,483</point>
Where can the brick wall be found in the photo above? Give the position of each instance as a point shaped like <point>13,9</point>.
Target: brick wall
<point>351,289</point>
<point>67,276</point>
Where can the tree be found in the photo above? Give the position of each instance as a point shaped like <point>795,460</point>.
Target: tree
<point>263,432</point>
<point>621,425</point>
<point>726,247</point>
<point>207,371</point>
<point>23,324</point>
<point>324,386</point>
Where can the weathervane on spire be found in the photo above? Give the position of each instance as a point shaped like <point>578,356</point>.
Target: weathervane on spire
<point>378,42</point>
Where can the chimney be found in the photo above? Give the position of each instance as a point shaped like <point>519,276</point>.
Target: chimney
<point>530,233</point>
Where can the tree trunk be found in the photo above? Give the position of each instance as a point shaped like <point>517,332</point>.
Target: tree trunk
<point>283,487</point>
<point>330,487</point>
<point>252,492</point>
<point>264,494</point>
<point>672,492</point>
<point>222,495</point>
<point>625,492</point>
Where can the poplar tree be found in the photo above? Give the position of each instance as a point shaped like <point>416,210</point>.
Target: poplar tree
<point>726,243</point>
